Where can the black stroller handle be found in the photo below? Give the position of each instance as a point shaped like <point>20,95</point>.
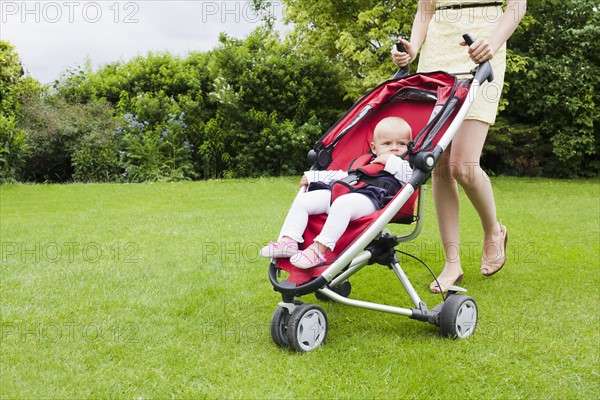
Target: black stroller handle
<point>468,39</point>
<point>402,72</point>
<point>483,72</point>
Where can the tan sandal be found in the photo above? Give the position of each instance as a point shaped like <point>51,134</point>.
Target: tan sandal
<point>442,285</point>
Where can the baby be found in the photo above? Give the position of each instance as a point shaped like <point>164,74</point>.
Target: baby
<point>367,189</point>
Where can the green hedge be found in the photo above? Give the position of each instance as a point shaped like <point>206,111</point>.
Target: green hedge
<point>247,108</point>
<point>254,107</point>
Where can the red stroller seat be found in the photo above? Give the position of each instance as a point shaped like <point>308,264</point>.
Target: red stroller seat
<point>414,99</point>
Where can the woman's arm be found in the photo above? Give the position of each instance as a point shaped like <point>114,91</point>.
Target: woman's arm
<point>425,11</point>
<point>485,49</point>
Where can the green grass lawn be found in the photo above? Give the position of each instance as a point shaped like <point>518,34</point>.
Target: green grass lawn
<point>155,291</point>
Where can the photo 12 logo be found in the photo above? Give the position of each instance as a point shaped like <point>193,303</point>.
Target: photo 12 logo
<point>53,12</point>
<point>68,252</point>
<point>68,332</point>
<point>237,11</point>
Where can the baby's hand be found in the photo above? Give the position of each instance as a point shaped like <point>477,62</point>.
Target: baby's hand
<point>382,159</point>
<point>304,181</point>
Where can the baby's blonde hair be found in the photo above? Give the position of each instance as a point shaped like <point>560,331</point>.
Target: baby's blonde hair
<point>393,123</point>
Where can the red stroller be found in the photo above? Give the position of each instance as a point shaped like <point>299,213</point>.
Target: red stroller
<point>434,104</point>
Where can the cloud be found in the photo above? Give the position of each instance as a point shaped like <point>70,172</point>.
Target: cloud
<point>51,36</point>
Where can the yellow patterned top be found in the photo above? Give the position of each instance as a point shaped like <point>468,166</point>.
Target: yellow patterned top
<point>442,51</point>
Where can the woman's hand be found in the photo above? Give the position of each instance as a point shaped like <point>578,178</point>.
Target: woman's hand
<point>400,58</point>
<point>481,50</point>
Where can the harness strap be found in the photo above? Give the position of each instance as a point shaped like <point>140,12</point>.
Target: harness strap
<point>389,186</point>
<point>365,174</point>
<point>362,179</point>
<point>351,179</point>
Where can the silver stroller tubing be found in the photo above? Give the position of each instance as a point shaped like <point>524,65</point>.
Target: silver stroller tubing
<point>461,114</point>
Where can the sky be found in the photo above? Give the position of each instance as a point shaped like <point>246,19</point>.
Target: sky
<point>52,36</point>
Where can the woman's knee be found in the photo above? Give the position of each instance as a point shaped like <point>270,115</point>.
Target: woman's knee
<point>463,172</point>
<point>469,173</point>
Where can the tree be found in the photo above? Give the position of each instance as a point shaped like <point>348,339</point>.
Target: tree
<point>554,96</point>
<point>272,105</point>
<point>13,85</point>
<point>248,107</point>
<point>68,140</point>
<point>356,34</point>
<point>549,115</point>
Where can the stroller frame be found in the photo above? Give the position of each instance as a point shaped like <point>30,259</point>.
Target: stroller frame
<point>303,326</point>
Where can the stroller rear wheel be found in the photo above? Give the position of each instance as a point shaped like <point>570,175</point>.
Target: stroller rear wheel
<point>307,328</point>
<point>458,318</point>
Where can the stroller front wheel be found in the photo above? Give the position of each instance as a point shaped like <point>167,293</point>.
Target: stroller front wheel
<point>279,323</point>
<point>307,327</point>
<point>458,318</point>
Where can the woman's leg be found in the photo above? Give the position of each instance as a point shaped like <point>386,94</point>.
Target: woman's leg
<point>445,198</point>
<point>461,164</point>
<point>476,183</point>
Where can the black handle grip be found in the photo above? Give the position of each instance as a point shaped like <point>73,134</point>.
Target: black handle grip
<point>484,71</point>
<point>468,39</point>
<point>399,45</point>
<point>402,72</point>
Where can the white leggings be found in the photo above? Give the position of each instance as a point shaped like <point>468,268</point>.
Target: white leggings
<point>344,209</point>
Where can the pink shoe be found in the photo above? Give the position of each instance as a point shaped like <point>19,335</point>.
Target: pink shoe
<point>308,258</point>
<point>283,249</point>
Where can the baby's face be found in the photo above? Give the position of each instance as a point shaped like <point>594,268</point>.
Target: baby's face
<point>388,141</point>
